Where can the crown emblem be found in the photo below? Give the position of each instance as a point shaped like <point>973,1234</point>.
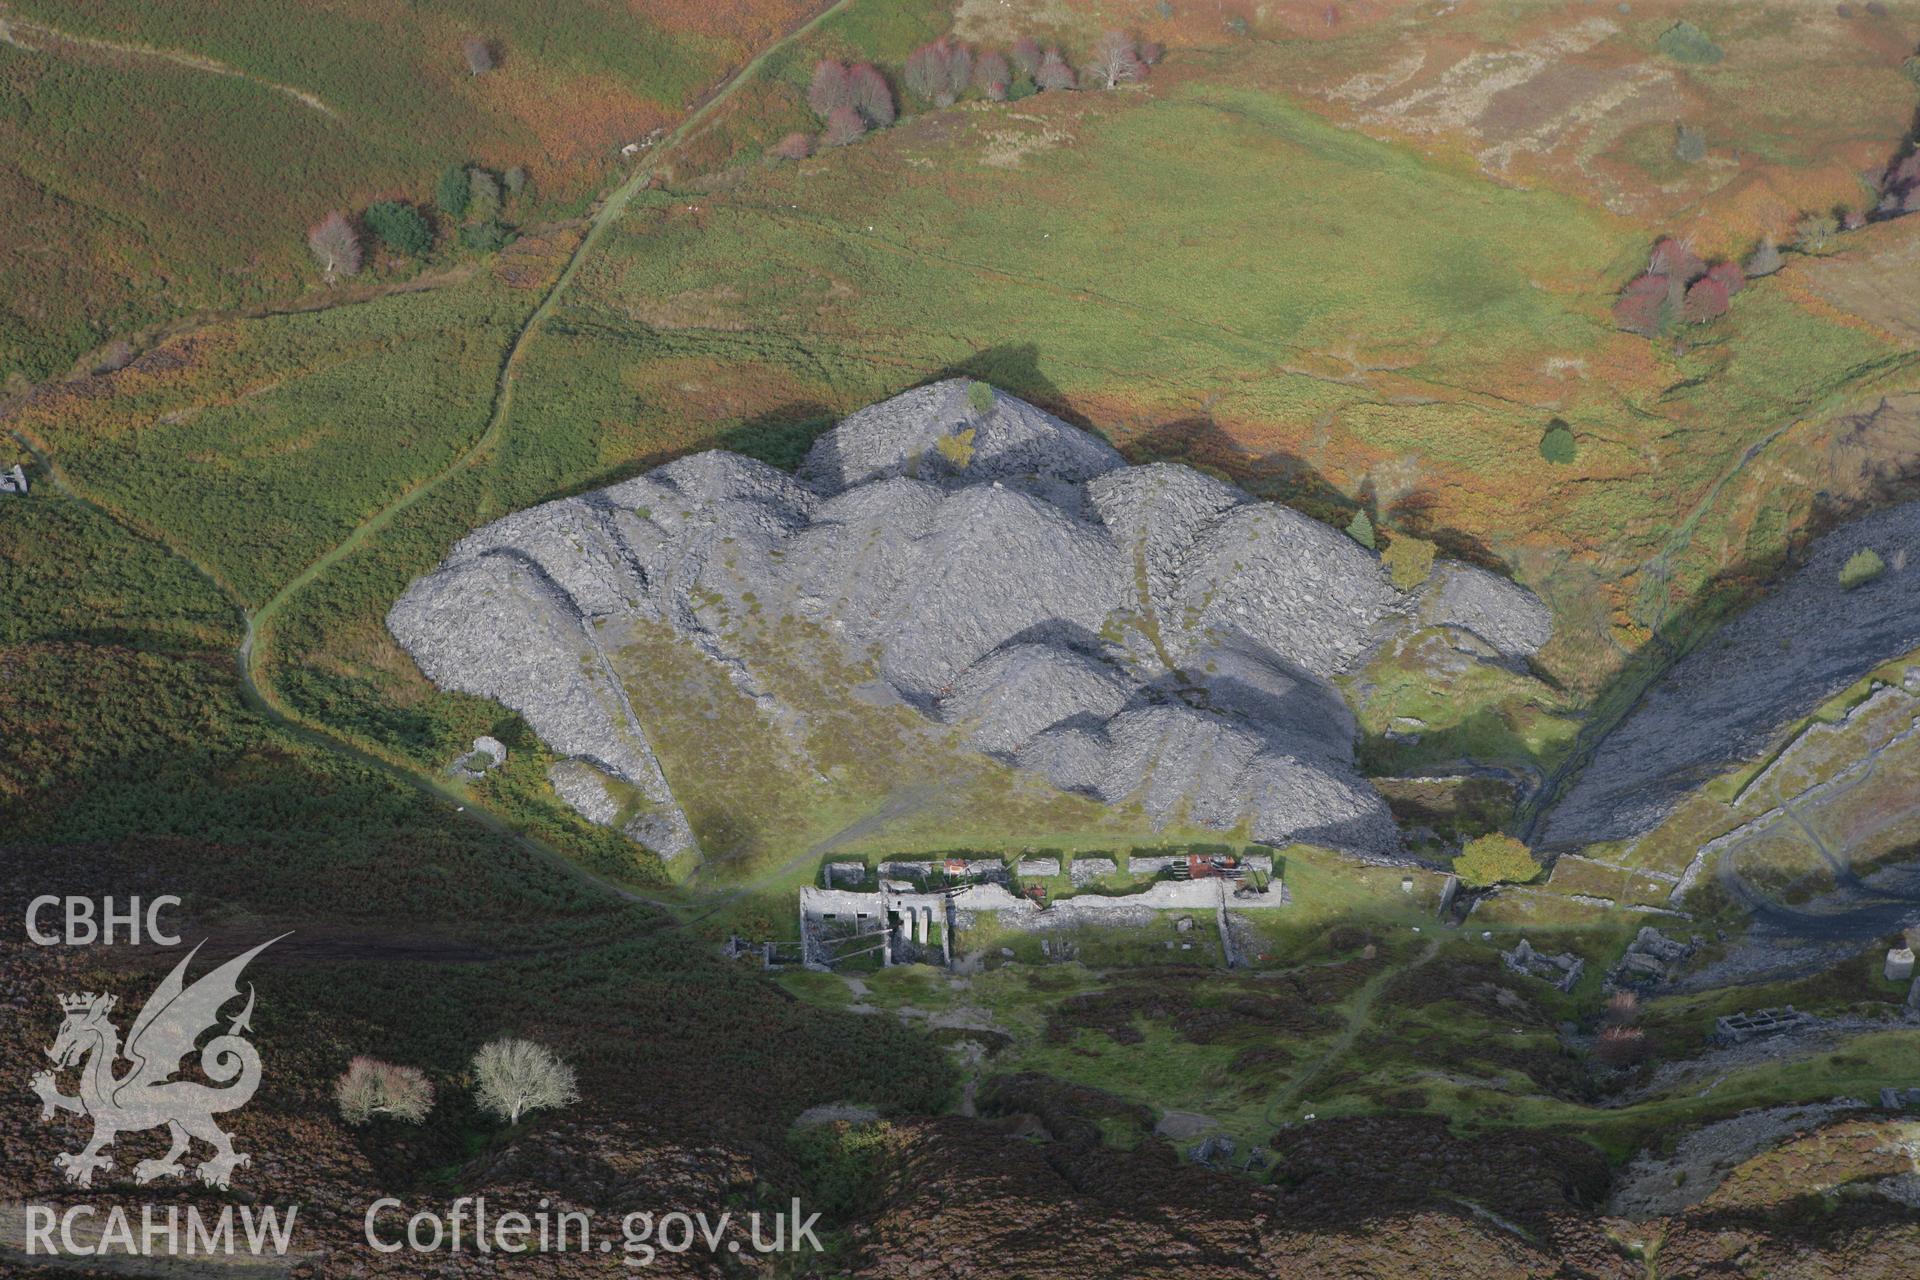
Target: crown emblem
<point>84,1001</point>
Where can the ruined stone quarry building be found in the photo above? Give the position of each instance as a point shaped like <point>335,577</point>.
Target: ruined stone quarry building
<point>899,920</point>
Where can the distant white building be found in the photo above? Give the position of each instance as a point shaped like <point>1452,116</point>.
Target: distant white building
<point>14,481</point>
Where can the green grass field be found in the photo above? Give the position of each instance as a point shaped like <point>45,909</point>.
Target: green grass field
<point>164,160</point>
<point>277,438</point>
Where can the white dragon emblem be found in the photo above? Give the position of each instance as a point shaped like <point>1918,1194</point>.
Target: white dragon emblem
<point>146,1096</point>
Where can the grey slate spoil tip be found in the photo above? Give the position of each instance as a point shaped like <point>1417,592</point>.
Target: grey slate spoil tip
<point>1139,634</point>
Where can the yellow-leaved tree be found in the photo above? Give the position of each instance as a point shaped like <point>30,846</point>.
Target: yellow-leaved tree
<point>1495,859</point>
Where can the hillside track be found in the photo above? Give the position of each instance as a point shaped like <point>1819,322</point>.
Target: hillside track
<point>258,693</point>
<point>1359,1017</point>
<point>18,32</point>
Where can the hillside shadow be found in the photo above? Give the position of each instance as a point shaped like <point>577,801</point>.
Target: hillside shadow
<point>616,474</point>
<point>1014,367</point>
<point>1718,603</point>
<point>1283,476</point>
<point>781,436</point>
<point>1897,180</point>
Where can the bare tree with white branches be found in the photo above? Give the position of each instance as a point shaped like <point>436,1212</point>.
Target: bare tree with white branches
<point>512,1077</point>
<point>844,127</point>
<point>1116,59</point>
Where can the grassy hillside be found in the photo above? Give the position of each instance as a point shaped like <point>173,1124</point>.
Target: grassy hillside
<point>1198,267</point>
<point>1789,105</point>
<point>156,160</point>
<point>258,447</point>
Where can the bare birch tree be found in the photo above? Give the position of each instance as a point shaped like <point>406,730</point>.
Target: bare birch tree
<point>993,74</point>
<point>512,1077</point>
<point>1027,57</point>
<point>335,245</point>
<point>1116,60</point>
<point>870,95</point>
<point>479,55</point>
<point>1054,73</point>
<point>829,88</point>
<point>844,126</point>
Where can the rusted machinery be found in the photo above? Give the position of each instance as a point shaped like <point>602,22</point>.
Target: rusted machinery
<point>1200,866</point>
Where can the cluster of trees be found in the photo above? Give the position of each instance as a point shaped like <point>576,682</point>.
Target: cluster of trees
<point>475,198</point>
<point>338,243</point>
<point>850,101</point>
<point>1679,286</point>
<point>510,1078</point>
<point>372,1088</point>
<point>942,72</point>
<point>472,198</point>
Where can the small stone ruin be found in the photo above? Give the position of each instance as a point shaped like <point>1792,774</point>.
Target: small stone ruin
<point>944,871</point>
<point>1214,1151</point>
<point>1738,1028</point>
<point>1562,971</point>
<point>486,755</point>
<point>1899,964</point>
<point>1652,959</point>
<point>1087,870</point>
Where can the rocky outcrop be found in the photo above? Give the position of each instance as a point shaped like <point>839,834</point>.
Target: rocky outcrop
<point>1137,634</point>
<point>1729,699</point>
